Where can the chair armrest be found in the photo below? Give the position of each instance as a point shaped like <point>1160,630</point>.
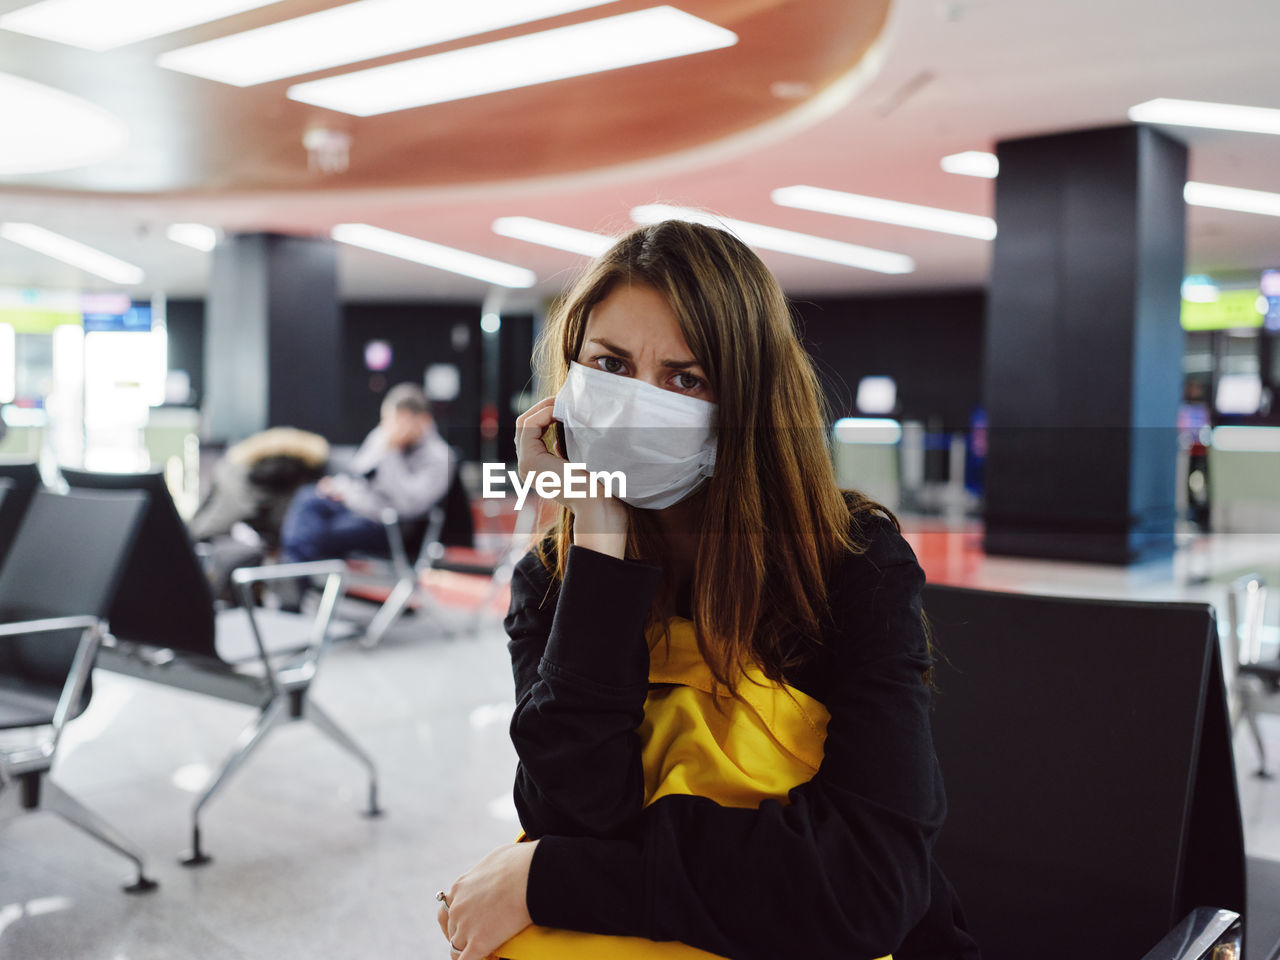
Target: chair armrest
<point>281,571</point>
<point>431,549</point>
<point>395,540</point>
<point>334,572</point>
<point>1197,935</point>
<point>81,664</point>
<point>47,625</point>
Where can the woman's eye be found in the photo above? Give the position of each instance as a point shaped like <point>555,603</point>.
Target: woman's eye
<point>687,381</point>
<point>610,364</point>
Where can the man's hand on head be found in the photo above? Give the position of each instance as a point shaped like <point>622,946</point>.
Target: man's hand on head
<point>404,429</point>
<point>328,488</point>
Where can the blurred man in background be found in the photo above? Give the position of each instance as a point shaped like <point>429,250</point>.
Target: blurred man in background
<point>404,464</point>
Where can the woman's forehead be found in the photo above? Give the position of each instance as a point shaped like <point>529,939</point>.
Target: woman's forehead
<point>638,318</point>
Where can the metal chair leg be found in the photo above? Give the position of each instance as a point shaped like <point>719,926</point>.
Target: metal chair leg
<point>329,727</point>
<point>10,797</point>
<point>56,800</point>
<point>390,611</point>
<point>1249,709</point>
<point>272,715</point>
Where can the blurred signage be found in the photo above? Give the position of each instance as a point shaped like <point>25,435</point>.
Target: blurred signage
<point>1271,293</point>
<point>133,319</point>
<point>38,311</point>
<point>1233,310</point>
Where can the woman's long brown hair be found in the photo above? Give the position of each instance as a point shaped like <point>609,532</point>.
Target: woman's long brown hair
<point>774,520</point>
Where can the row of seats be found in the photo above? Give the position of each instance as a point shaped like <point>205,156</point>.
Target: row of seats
<point>1090,815</point>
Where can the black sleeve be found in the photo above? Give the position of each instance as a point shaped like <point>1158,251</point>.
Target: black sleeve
<point>842,870</point>
<point>582,675</point>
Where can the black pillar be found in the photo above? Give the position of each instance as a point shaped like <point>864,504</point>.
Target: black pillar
<point>1083,367</point>
<point>272,336</point>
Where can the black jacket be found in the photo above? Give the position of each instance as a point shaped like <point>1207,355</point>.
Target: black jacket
<point>843,871</point>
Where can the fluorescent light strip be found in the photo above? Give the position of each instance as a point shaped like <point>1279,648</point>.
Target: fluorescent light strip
<point>784,241</point>
<point>885,211</point>
<point>99,25</point>
<point>1215,116</point>
<point>659,33</point>
<point>553,235</point>
<point>49,129</point>
<point>351,33</point>
<point>972,163</point>
<point>1232,198</point>
<point>70,251</point>
<point>433,255</point>
<point>195,235</point>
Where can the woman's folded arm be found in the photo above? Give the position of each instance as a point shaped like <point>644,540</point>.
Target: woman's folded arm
<point>581,683</point>
<point>843,869</point>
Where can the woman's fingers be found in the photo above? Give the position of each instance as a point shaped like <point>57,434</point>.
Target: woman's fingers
<point>532,455</point>
<point>442,918</point>
<point>531,424</point>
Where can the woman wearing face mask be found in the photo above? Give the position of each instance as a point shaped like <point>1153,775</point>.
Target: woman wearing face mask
<point>721,680</point>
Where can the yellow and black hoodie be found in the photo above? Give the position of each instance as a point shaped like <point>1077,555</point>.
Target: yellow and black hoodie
<point>797,822</point>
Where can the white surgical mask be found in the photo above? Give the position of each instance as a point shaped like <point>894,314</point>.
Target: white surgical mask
<point>662,441</point>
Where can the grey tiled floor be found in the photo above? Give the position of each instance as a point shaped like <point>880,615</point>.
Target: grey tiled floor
<point>297,871</point>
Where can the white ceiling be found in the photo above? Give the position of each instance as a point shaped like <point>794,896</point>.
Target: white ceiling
<point>955,75</point>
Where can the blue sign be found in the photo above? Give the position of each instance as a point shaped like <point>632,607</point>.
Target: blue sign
<point>137,319</point>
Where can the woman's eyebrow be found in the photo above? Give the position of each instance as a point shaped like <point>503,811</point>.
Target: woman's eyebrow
<point>626,355</point>
<point>611,347</point>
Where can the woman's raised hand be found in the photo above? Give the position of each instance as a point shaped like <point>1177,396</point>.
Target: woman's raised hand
<point>600,522</point>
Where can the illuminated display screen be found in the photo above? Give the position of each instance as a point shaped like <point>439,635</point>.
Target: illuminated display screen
<point>133,320</point>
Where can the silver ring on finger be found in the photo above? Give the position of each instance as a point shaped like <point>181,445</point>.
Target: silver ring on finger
<point>440,897</point>
<point>455,948</point>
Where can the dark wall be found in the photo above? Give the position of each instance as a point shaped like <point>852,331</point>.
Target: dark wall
<point>930,344</point>
<point>185,324</point>
<point>419,335</point>
<point>515,378</point>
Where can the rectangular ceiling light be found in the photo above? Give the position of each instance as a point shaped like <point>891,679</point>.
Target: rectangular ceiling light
<point>885,211</point>
<point>99,25</point>
<point>73,252</point>
<point>1215,116</point>
<point>351,33</point>
<point>1232,198</point>
<point>784,241</point>
<point>972,163</point>
<point>553,235</point>
<point>195,235</point>
<point>433,255</point>
<point>659,33</point>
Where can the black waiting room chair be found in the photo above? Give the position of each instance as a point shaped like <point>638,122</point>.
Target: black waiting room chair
<point>1090,782</point>
<point>22,479</point>
<point>55,588</point>
<point>164,628</point>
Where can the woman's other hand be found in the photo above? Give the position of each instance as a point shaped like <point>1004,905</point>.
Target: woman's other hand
<point>486,905</point>
<point>600,523</point>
